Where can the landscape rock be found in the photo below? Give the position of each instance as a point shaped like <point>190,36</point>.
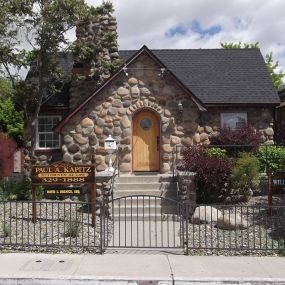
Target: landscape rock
<point>205,215</point>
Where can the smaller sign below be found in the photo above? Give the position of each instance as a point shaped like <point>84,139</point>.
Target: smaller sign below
<point>278,182</point>
<point>63,191</point>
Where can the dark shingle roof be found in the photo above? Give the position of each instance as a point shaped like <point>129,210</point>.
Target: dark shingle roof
<point>220,76</point>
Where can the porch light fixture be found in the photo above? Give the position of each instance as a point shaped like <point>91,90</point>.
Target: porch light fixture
<point>180,106</point>
<point>110,146</point>
<point>125,71</point>
<point>162,71</point>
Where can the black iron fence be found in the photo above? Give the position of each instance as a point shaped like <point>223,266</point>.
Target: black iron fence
<point>142,222</point>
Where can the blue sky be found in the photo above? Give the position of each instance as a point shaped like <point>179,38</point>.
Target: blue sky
<point>193,27</point>
<point>201,24</point>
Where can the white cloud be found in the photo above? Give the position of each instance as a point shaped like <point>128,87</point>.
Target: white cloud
<point>146,22</point>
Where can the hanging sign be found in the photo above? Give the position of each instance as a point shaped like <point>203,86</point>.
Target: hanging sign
<point>278,181</point>
<point>61,173</point>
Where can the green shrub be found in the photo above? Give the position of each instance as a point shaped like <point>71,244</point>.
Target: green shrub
<point>6,230</point>
<point>216,152</point>
<point>23,190</point>
<point>6,189</point>
<point>245,174</point>
<point>72,227</point>
<point>272,157</point>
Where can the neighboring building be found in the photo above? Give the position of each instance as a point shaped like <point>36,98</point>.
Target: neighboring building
<point>160,99</point>
<point>11,157</point>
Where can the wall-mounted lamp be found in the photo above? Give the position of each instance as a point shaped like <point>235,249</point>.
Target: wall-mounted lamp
<point>180,106</point>
<point>162,71</point>
<point>125,71</point>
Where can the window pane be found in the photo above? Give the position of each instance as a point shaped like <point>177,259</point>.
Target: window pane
<point>46,137</point>
<point>234,120</point>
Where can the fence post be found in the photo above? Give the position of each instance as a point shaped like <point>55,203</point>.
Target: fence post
<point>102,228</point>
<point>34,194</point>
<point>187,234</point>
<point>269,175</point>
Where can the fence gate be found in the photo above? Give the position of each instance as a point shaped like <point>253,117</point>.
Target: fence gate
<point>144,222</point>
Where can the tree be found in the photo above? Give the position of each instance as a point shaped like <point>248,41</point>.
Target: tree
<point>271,65</point>
<point>44,24</point>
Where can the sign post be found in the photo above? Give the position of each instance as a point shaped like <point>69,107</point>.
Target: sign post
<point>66,174</point>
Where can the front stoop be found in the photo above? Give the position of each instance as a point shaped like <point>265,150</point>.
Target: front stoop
<point>144,197</point>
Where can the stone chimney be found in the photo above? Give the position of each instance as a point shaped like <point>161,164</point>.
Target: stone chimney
<point>96,54</point>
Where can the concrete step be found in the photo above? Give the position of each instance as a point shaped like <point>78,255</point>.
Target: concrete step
<point>143,178</point>
<point>144,200</point>
<point>145,210</point>
<point>146,186</point>
<point>150,192</point>
<point>172,217</point>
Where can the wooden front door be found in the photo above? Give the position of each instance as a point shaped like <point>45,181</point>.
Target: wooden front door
<point>145,142</point>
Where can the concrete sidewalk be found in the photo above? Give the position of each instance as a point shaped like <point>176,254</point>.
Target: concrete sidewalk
<point>55,269</point>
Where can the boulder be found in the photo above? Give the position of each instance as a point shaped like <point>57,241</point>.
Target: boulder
<point>205,215</point>
<point>231,222</point>
<point>122,91</point>
<point>86,122</point>
<point>80,139</point>
<point>133,81</point>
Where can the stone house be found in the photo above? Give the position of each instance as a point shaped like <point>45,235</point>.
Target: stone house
<point>157,100</point>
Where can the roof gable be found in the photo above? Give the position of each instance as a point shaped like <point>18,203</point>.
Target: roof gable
<point>220,76</point>
<point>131,59</point>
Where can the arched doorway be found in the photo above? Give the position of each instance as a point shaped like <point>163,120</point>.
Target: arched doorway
<point>146,141</point>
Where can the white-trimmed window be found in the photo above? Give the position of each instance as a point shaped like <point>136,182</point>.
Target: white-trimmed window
<point>233,120</point>
<point>46,138</point>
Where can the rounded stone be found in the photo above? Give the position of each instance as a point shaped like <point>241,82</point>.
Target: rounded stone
<point>263,138</point>
<point>127,158</point>
<point>98,131</point>
<point>126,140</point>
<point>101,150</point>
<point>165,140</point>
<point>42,157</point>
<point>92,139</point>
<point>122,111</point>
<point>165,120</point>
<point>73,148</point>
<point>117,103</point>
<point>112,111</point>
<point>101,167</point>
<point>269,132</point>
<point>126,104</point>
<point>100,122</point>
<point>125,122</point>
<point>87,131</point>
<point>93,115</point>
<point>67,139</point>
<point>186,141</point>
<point>200,130</point>
<point>175,140</point>
<point>67,157</point>
<point>133,81</point>
<point>103,113</point>
<point>135,91</point>
<point>203,137</point>
<point>78,129</point>
<point>167,113</point>
<point>107,131</point>
<point>208,129</point>
<point>127,132</point>
<point>80,139</point>
<point>166,157</point>
<point>117,131</point>
<point>108,120</point>
<point>125,167</point>
<point>84,148</point>
<point>180,128</point>
<point>145,91</point>
<point>77,156</point>
<point>165,167</point>
<point>122,91</point>
<point>196,138</point>
<point>86,122</point>
<point>206,142</point>
<point>167,148</point>
<point>106,105</point>
<point>99,159</point>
